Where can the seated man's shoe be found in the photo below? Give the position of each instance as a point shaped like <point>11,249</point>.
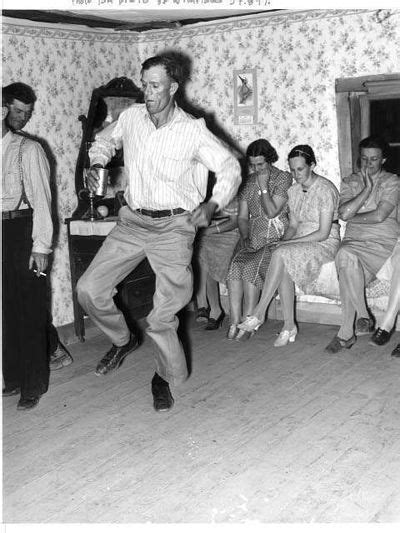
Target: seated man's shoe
<point>396,351</point>
<point>60,358</point>
<point>380,337</point>
<point>364,326</point>
<point>27,403</point>
<point>11,391</point>
<point>116,355</point>
<point>337,344</point>
<point>162,397</point>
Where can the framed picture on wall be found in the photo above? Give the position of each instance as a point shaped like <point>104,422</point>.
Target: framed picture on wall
<point>245,96</point>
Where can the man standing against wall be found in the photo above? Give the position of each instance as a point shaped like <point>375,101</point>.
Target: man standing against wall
<point>20,111</point>
<point>27,232</point>
<point>167,156</point>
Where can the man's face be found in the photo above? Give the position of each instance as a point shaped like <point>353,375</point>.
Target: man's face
<point>18,114</point>
<point>158,89</point>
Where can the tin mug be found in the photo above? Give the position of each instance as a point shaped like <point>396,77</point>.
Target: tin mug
<point>101,189</point>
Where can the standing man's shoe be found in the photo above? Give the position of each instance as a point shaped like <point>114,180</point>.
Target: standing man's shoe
<point>11,391</point>
<point>27,403</point>
<point>162,397</point>
<point>380,337</point>
<point>116,355</point>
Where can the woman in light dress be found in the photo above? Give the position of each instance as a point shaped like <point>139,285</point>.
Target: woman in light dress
<point>311,240</point>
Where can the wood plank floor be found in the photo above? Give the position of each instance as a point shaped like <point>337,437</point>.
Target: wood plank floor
<point>257,434</point>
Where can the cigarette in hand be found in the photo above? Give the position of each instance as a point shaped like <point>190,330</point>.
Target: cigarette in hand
<point>41,274</point>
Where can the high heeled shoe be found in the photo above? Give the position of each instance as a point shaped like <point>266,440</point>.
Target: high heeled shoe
<point>285,336</point>
<point>337,344</point>
<point>252,323</point>
<point>215,323</point>
<point>233,330</point>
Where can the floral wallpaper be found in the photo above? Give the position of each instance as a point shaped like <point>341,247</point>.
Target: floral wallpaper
<point>297,55</point>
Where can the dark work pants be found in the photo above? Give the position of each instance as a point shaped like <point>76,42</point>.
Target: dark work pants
<point>25,315</point>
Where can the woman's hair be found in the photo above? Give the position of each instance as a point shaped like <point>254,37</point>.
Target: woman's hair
<point>375,142</point>
<point>264,148</point>
<point>305,151</point>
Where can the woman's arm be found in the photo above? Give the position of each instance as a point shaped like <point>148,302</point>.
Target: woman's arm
<point>348,209</point>
<point>271,205</point>
<point>379,214</point>
<point>321,234</point>
<point>243,219</point>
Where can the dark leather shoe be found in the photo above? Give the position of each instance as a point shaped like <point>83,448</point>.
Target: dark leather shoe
<point>162,397</point>
<point>380,337</point>
<point>116,355</point>
<point>27,403</point>
<point>11,391</point>
<point>396,351</point>
<point>215,323</point>
<point>337,344</point>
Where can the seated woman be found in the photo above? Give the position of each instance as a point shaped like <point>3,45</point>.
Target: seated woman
<point>368,202</point>
<point>383,333</point>
<point>213,252</point>
<point>311,240</point>
<point>262,221</point>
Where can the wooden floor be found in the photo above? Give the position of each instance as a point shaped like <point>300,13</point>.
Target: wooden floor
<point>257,434</point>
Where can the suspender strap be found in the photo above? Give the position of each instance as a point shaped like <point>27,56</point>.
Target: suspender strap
<point>23,198</point>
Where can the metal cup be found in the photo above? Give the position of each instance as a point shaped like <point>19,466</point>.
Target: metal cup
<point>101,189</point>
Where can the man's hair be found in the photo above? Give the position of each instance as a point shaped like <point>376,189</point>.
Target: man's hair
<point>175,66</point>
<point>375,142</point>
<point>19,91</point>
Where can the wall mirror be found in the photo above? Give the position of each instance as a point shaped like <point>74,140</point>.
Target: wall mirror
<point>106,104</point>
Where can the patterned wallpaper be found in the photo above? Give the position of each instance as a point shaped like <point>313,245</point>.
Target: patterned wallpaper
<point>298,56</point>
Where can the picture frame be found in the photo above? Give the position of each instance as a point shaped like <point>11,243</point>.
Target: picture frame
<point>245,96</point>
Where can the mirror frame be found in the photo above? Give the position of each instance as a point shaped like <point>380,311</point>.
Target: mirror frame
<point>118,87</point>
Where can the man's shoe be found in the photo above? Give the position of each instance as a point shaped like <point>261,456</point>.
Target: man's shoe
<point>337,344</point>
<point>162,397</point>
<point>27,403</point>
<point>364,326</point>
<point>60,358</point>
<point>116,355</point>
<point>380,337</point>
<point>396,351</point>
<point>11,391</point>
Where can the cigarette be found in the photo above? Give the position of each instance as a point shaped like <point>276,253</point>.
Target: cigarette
<point>41,274</point>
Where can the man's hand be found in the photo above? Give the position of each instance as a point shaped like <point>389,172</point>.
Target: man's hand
<point>368,183</point>
<point>92,179</point>
<point>40,261</point>
<point>202,215</point>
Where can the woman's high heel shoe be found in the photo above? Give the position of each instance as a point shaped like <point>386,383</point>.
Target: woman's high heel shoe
<point>285,336</point>
<point>244,335</point>
<point>252,323</point>
<point>215,323</point>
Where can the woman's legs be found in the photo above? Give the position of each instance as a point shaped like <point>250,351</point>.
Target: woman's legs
<point>251,296</point>
<point>213,297</point>
<point>394,300</point>
<point>352,291</point>
<point>201,292</point>
<point>273,280</point>
<point>286,294</point>
<point>235,291</point>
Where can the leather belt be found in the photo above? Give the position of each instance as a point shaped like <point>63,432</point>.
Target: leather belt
<point>161,214</point>
<point>17,213</point>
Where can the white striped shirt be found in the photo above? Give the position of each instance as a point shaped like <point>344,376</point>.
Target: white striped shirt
<point>167,167</point>
<point>36,175</point>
